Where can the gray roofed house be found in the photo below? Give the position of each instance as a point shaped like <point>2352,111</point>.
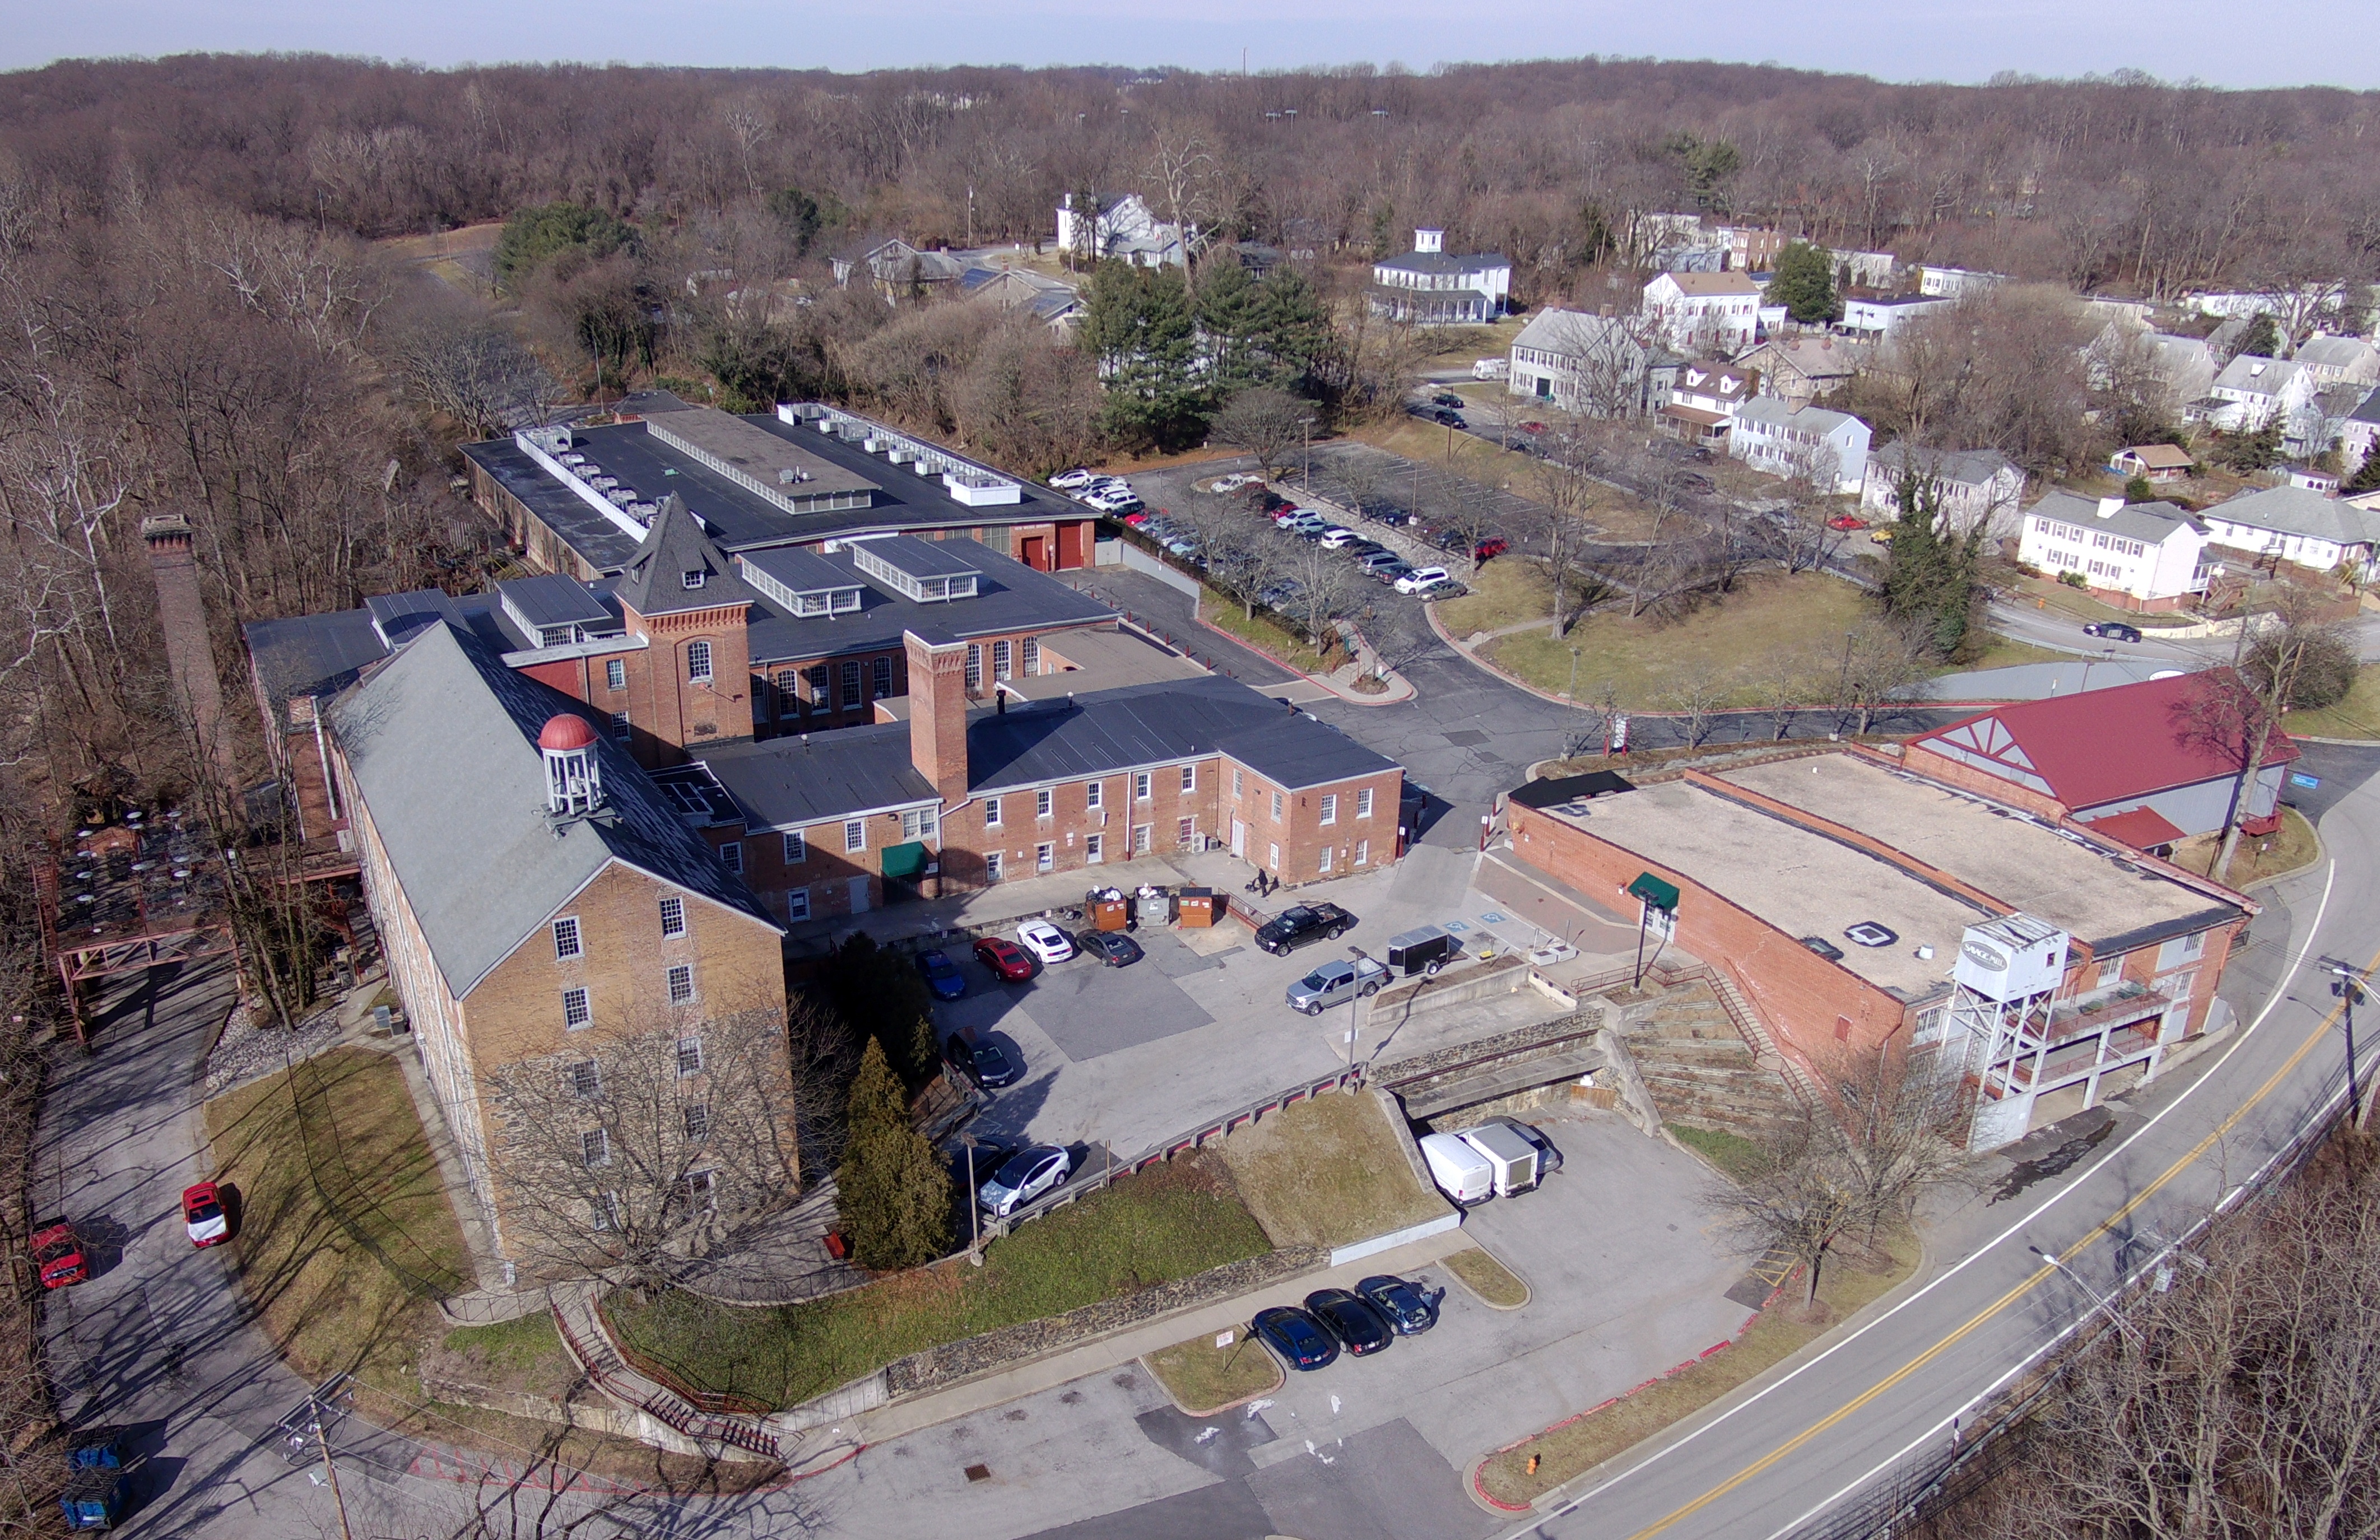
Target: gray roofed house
<point>1978,487</point>
<point>2297,524</point>
<point>306,655</point>
<point>2340,360</point>
<point>2151,555</point>
<point>442,744</point>
<point>677,568</point>
<point>1433,286</point>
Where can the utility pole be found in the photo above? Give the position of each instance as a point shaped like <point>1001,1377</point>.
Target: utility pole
<point>331,1471</point>
<point>2350,988</point>
<point>2099,1300</point>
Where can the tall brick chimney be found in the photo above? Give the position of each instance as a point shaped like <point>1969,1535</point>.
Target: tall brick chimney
<point>189,655</point>
<point>937,710</point>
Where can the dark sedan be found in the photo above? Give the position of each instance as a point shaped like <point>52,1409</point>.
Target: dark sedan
<point>943,975</point>
<point>1351,1318</point>
<point>1300,1341</point>
<point>1004,958</point>
<point>2112,630</point>
<point>1406,1308</point>
<point>982,1061</point>
<point>1112,948</point>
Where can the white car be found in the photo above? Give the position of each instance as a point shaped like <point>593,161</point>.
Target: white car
<point>1420,578</point>
<point>1070,480</point>
<point>1024,1177</point>
<point>1117,498</point>
<point>1236,482</point>
<point>1045,940</point>
<point>1335,537</point>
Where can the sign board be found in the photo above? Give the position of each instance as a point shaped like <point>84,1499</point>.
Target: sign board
<point>1222,1338</point>
<point>2308,781</point>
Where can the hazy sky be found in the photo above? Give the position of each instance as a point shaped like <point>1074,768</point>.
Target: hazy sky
<point>2265,43</point>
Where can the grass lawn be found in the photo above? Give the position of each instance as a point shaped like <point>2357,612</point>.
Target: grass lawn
<point>1575,1447</point>
<point>2286,849</point>
<point>1265,633</point>
<point>1328,1171</point>
<point>1504,592</point>
<point>346,1238</point>
<point>1203,1378</point>
<point>1461,346</point>
<point>1731,1153</point>
<point>2356,716</point>
<point>1169,1222</point>
<point>2044,593</point>
<point>1488,1279</point>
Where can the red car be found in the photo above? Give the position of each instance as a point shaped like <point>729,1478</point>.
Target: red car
<point>1533,428</point>
<point>1494,545</point>
<point>203,1216</point>
<point>1136,519</point>
<point>1004,958</point>
<point>1845,521</point>
<point>58,1253</point>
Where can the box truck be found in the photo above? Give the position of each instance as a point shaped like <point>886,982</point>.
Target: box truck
<point>1512,1159</point>
<point>1460,1172</point>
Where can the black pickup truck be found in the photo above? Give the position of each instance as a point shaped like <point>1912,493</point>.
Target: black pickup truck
<point>1300,923</point>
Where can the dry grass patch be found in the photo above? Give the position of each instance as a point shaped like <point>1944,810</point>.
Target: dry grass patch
<point>1328,1171</point>
<point>1575,1447</point>
<point>1494,1283</point>
<point>1267,634</point>
<point>1504,592</point>
<point>1203,1378</point>
<point>2284,849</point>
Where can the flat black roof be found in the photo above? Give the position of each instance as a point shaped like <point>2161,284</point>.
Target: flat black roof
<point>785,782</point>
<point>801,570</point>
<point>1152,725</point>
<point>1010,597</point>
<point>1571,788</point>
<point>923,558</point>
<point>739,519</point>
<point>550,598</point>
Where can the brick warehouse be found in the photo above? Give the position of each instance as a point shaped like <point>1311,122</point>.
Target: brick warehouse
<point>1836,889</point>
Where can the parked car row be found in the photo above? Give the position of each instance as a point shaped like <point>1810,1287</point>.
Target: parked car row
<point>60,1260</point>
<point>1361,1321</point>
<point>1371,557</point>
<point>1110,494</point>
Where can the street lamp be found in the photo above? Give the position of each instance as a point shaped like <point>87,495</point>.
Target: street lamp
<point>975,1206</point>
<point>1572,694</point>
<point>2351,986</point>
<point>2099,1300</point>
<point>1356,1012</point>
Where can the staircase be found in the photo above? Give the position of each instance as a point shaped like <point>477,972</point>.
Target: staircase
<point>583,1333</point>
<point>1696,1062</point>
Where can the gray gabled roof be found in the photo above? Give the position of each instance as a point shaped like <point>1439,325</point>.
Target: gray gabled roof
<point>2370,411</point>
<point>2257,375</point>
<point>442,743</point>
<point>653,583</point>
<point>2300,510</point>
<point>1969,467</point>
<point>2150,522</point>
<point>2334,352</point>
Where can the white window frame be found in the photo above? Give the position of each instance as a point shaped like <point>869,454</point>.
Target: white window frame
<point>587,1080</point>
<point>1000,652</point>
<point>798,904</point>
<point>696,1120</point>
<point>991,812</point>
<point>797,847</point>
<point>577,1013</point>
<point>616,674</point>
<point>1095,849</point>
<point>1189,777</point>
<point>1236,781</point>
<point>679,980</point>
<point>850,695</point>
<point>702,1189</point>
<point>1028,657</point>
<point>918,823</point>
<point>1041,803</point>
<point>879,679</point>
<point>731,855</point>
<point>691,578</point>
<point>855,836</point>
<point>1140,785</point>
<point>1142,836</point>
<point>1327,850</point>
<point>595,1152</point>
<point>1363,852</point>
<point>689,1055</point>
<point>1044,856</point>
<point>1364,802</point>
<point>1329,807</point>
<point>570,941</point>
<point>1092,791</point>
<point>974,667</point>
<point>673,915</point>
<point>1185,832</point>
<point>991,867</point>
<point>698,662</point>
<point>1278,804</point>
<point>622,730</point>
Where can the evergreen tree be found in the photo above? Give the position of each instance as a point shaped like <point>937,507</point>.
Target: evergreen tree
<point>2263,338</point>
<point>1293,330</point>
<point>1230,316</point>
<point>1804,283</point>
<point>537,235</point>
<point>1139,324</point>
<point>878,994</point>
<point>892,1189</point>
<point>1931,578</point>
<point>2367,475</point>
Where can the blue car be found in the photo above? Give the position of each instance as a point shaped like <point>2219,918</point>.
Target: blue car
<point>1297,1337</point>
<point>943,975</point>
<point>1406,1308</point>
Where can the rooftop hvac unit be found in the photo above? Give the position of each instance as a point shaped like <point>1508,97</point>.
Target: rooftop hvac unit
<point>2011,958</point>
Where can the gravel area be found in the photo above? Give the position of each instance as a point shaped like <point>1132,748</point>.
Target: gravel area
<point>252,1049</point>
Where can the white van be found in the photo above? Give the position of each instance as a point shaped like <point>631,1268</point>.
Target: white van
<point>1492,369</point>
<point>1461,1172</point>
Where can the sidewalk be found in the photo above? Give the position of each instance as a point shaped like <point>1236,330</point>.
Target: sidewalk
<point>1002,1386</point>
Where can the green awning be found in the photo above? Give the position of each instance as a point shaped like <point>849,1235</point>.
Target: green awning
<point>1652,891</point>
<point>906,860</point>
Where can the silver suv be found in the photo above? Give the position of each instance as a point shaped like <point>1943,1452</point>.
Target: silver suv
<point>1334,982</point>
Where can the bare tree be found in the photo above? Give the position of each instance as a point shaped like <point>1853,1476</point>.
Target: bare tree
<point>1320,583</point>
<point>1693,699</point>
<point>1881,661</point>
<point>1266,423</point>
<point>1786,682</point>
<point>646,1141</point>
<point>1242,559</point>
<point>2237,710</point>
<point>474,370</point>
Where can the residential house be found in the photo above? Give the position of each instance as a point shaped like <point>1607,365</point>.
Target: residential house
<point>1978,488</point>
<point>1881,316</point>
<point>901,270</point>
<point>2123,759</point>
<point>1704,312</point>
<point>2185,366</point>
<point>1703,398</point>
<point>1431,286</point>
<point>1864,270</point>
<point>2151,462</point>
<point>1799,369</point>
<point>1051,301</point>
<point>2339,361</point>
<point>2295,525</point>
<point>1769,436</point>
<point>1097,229</point>
<point>1843,895</point>
<point>2143,556</point>
<point>1754,249</point>
<point>1587,365</point>
<point>2253,391</point>
<point>1957,283</point>
<point>2359,436</point>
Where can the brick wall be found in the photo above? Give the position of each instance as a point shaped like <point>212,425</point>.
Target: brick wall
<point>1924,762</point>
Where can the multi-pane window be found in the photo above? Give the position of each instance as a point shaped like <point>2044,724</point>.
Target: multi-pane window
<point>789,692</point>
<point>1000,659</point>
<point>882,669</point>
<point>798,904</point>
<point>692,578</point>
<point>699,1188</point>
<point>1140,786</point>
<point>814,679</point>
<point>1140,832</point>
<point>616,674</point>
<point>798,848</point>
<point>1092,791</point>
<point>918,823</point>
<point>731,855</point>
<point>1325,858</point>
<point>697,1120</point>
<point>855,836</point>
<point>1041,803</point>
<point>681,984</point>
<point>1364,803</point>
<point>620,730</point>
<point>1044,856</point>
<point>698,662</point>
<point>689,1056</point>
<point>587,1080</point>
<point>1189,777</point>
<point>1029,656</point>
<point>574,1013</point>
<point>566,937</point>
<point>606,1211</point>
<point>595,1149</point>
<point>1329,807</point>
<point>672,917</point>
<point>1276,807</point>
<point>974,667</point>
<point>1362,850</point>
<point>851,682</point>
<point>991,812</point>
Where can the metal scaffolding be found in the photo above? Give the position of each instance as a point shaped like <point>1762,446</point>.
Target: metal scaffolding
<point>127,896</point>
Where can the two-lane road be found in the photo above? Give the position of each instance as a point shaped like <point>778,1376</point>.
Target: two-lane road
<point>1802,1441</point>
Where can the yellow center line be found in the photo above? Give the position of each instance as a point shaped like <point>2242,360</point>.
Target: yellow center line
<point>1983,1315</point>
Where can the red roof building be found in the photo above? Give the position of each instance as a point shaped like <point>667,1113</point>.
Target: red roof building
<point>2135,761</point>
